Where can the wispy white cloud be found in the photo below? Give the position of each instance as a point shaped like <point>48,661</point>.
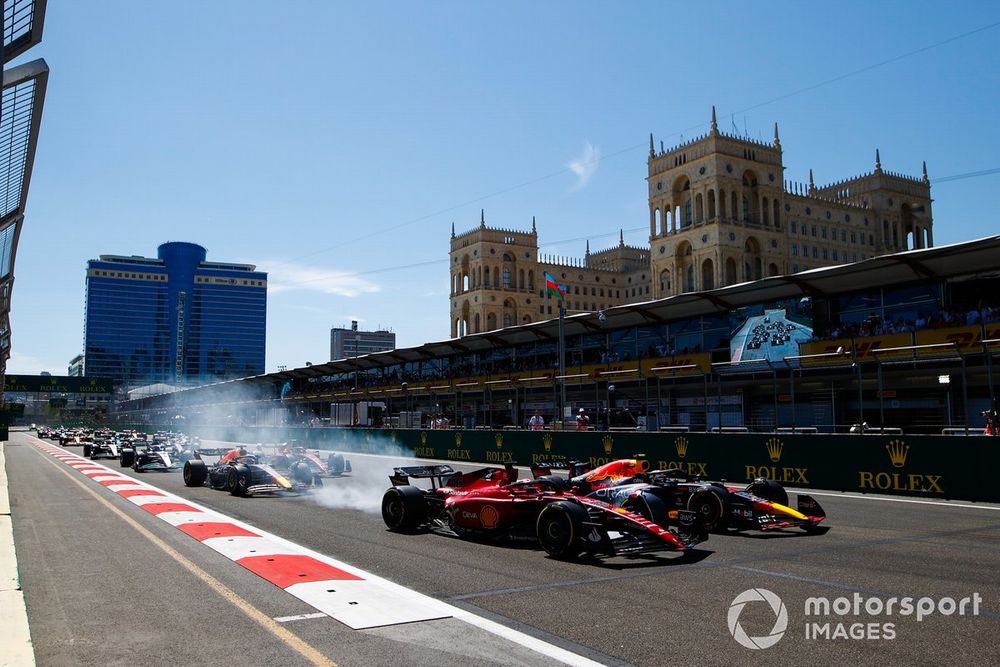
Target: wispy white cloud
<point>585,165</point>
<point>285,277</point>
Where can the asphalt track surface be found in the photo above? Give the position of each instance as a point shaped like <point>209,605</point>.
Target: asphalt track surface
<point>98,591</point>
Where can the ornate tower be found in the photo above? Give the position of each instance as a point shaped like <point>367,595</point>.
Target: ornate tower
<point>715,212</point>
<point>494,278</point>
<point>721,212</point>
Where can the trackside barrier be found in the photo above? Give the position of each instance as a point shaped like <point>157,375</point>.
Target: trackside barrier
<point>924,466</point>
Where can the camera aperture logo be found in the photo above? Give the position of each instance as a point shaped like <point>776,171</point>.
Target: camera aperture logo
<point>777,608</point>
<point>857,617</point>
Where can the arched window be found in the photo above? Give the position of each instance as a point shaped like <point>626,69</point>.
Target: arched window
<point>707,275</point>
<point>664,282</point>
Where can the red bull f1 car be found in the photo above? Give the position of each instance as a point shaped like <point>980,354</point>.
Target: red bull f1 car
<point>242,474</point>
<point>761,505</point>
<point>493,503</point>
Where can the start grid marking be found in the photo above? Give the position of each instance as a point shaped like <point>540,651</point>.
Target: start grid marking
<point>353,597</point>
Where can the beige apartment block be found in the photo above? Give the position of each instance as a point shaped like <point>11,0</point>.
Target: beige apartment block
<point>720,213</point>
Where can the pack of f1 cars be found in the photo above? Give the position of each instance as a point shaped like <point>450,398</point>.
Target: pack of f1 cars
<point>243,474</point>
<point>493,503</point>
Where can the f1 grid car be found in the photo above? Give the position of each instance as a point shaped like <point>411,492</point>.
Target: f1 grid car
<point>492,503</point>
<point>761,505</point>
<point>298,462</point>
<point>145,457</point>
<point>100,449</point>
<point>242,474</point>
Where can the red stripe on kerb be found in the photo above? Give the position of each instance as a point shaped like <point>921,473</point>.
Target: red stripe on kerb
<point>207,530</point>
<point>128,493</point>
<point>286,570</point>
<point>160,508</point>
<point>112,482</point>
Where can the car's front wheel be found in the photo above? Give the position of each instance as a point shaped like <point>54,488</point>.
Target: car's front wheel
<point>709,507</point>
<point>560,529</point>
<point>238,480</point>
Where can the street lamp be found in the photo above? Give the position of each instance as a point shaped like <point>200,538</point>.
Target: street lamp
<point>611,392</point>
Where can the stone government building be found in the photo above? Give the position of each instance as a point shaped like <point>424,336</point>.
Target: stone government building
<point>720,213</point>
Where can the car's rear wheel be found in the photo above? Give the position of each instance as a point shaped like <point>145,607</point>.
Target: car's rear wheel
<point>709,506</point>
<point>648,507</point>
<point>86,451</point>
<point>195,472</point>
<point>560,529</point>
<point>126,458</point>
<point>404,508</point>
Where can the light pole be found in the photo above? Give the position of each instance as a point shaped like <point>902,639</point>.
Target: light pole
<point>611,393</point>
<point>562,361</point>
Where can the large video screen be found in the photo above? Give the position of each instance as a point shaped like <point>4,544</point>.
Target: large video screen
<point>771,331</point>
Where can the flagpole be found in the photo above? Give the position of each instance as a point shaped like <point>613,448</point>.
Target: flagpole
<point>562,363</point>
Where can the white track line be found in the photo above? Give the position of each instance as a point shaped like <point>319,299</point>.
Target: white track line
<point>300,617</point>
<point>939,503</point>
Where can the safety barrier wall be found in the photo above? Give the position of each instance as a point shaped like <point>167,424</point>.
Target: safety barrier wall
<point>956,467</point>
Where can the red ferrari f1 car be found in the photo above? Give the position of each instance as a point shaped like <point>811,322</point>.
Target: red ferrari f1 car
<point>492,502</point>
<point>304,465</point>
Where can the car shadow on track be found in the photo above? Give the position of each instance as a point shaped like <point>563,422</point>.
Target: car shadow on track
<point>775,534</point>
<point>641,561</point>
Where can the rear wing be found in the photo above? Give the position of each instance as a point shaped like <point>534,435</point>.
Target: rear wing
<point>436,473</point>
<point>544,468</point>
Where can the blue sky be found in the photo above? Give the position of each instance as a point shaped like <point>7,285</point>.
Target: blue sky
<point>334,144</point>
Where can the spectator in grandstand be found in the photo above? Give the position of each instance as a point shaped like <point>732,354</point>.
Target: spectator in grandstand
<point>537,421</point>
<point>582,420</point>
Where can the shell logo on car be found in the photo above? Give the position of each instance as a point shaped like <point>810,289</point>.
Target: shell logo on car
<point>489,517</point>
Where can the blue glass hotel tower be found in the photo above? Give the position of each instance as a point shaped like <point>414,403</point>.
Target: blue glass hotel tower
<point>176,319</point>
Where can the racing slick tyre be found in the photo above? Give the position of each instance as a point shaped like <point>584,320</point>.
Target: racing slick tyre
<point>86,451</point>
<point>335,462</point>
<point>560,529</point>
<point>710,507</point>
<point>238,480</point>
<point>649,507</point>
<point>404,508</point>
<point>195,472</point>
<point>768,489</point>
<point>126,458</point>
<point>300,472</point>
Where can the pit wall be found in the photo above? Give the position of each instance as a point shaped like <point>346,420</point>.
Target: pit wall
<point>952,467</point>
